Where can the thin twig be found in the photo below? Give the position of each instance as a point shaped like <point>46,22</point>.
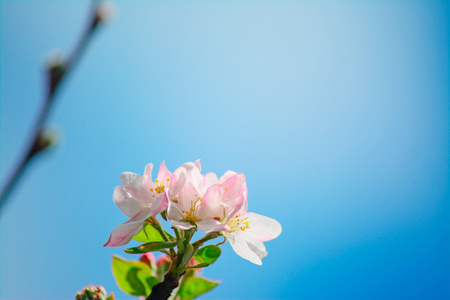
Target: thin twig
<point>56,76</point>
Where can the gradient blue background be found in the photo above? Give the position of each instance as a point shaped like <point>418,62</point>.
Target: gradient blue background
<point>337,113</point>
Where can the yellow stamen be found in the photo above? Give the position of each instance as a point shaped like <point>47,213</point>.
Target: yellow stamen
<point>191,215</point>
<point>238,223</point>
<point>160,188</point>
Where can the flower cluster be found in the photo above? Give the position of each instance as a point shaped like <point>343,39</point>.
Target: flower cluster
<point>191,201</point>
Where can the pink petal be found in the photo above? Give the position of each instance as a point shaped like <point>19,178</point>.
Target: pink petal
<point>262,228</point>
<point>233,186</point>
<point>227,175</point>
<point>179,179</point>
<point>187,196</point>
<point>125,232</point>
<point>160,203</point>
<point>210,225</point>
<point>163,173</point>
<point>208,180</point>
<point>232,211</point>
<point>210,206</point>
<point>126,202</point>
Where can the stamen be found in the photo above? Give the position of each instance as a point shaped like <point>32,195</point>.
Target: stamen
<point>238,223</point>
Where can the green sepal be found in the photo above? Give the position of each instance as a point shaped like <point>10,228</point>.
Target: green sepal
<point>208,254</point>
<point>134,278</point>
<point>188,252</point>
<point>148,234</point>
<point>193,287</point>
<point>164,215</point>
<point>150,247</point>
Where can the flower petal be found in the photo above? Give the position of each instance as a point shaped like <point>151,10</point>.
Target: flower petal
<point>126,202</point>
<point>246,248</point>
<point>233,186</point>
<point>208,180</point>
<point>132,180</point>
<point>262,228</point>
<point>179,179</point>
<point>137,186</point>
<point>174,212</point>
<point>125,232</point>
<point>160,203</point>
<point>198,165</point>
<point>195,176</point>
<point>210,206</point>
<point>181,225</point>
<point>163,173</point>
<point>210,225</point>
<point>227,175</point>
<point>148,172</point>
<point>187,196</point>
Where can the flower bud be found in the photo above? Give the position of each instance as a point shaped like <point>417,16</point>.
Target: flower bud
<point>162,266</point>
<point>149,259</point>
<point>56,67</point>
<point>91,292</point>
<point>102,13</point>
<point>45,139</point>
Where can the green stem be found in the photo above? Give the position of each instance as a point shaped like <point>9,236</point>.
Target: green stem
<point>177,233</point>
<point>210,236</point>
<point>157,225</point>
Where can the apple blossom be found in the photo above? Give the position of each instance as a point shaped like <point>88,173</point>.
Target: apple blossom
<point>204,201</point>
<point>140,198</point>
<point>247,233</point>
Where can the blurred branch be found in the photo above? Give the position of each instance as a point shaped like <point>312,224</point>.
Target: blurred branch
<point>57,72</point>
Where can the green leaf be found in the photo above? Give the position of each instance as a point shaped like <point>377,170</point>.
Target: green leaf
<point>134,278</point>
<point>110,297</point>
<point>193,287</point>
<point>150,247</point>
<point>199,266</point>
<point>148,234</point>
<point>208,254</point>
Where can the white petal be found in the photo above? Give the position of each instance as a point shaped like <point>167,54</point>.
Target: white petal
<point>239,241</point>
<point>132,180</point>
<point>148,172</point>
<point>210,225</point>
<point>181,225</point>
<point>138,187</point>
<point>127,204</point>
<point>198,165</point>
<point>262,228</point>
<point>174,212</point>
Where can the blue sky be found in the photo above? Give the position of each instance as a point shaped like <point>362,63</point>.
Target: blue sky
<point>337,112</point>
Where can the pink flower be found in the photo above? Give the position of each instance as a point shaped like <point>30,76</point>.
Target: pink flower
<point>204,201</point>
<point>140,198</point>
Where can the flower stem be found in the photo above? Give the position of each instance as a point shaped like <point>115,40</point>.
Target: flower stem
<point>209,236</point>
